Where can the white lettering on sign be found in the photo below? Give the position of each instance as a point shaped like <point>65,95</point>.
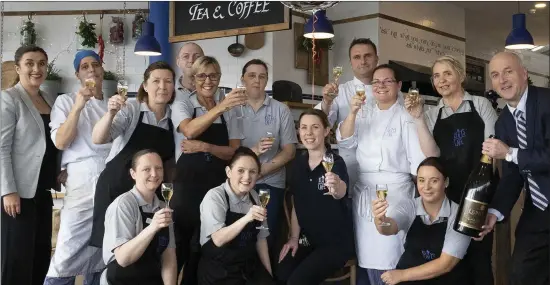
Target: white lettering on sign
<point>198,13</point>
<point>240,9</point>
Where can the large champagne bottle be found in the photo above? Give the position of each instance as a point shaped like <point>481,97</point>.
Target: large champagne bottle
<point>477,195</point>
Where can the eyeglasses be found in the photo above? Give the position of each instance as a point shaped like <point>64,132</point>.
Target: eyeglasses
<point>386,82</point>
<point>212,76</point>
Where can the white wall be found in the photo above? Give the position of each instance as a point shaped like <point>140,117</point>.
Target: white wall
<point>57,32</point>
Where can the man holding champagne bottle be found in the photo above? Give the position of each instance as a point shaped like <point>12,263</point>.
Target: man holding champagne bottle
<point>524,143</point>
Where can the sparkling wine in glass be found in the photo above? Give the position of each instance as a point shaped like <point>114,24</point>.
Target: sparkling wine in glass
<point>382,193</point>
<point>89,83</point>
<point>336,73</point>
<point>360,91</point>
<point>167,192</point>
<point>264,200</point>
<point>328,163</point>
<point>122,89</point>
<point>414,94</point>
<point>241,88</point>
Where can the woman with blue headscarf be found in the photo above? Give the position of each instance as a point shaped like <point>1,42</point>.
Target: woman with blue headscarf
<point>73,117</point>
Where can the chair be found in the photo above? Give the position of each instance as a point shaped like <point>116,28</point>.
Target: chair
<point>287,91</point>
<point>351,264</point>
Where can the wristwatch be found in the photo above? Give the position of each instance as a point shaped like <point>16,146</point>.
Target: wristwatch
<point>508,156</point>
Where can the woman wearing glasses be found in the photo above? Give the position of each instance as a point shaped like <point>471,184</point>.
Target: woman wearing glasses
<point>433,250</point>
<point>388,152</point>
<point>212,134</point>
<point>234,227</point>
<point>456,130</point>
<point>132,126</point>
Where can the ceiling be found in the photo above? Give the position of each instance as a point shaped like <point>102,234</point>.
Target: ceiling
<point>494,18</point>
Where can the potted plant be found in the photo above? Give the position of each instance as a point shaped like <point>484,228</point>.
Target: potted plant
<point>52,84</point>
<point>28,33</point>
<point>109,84</point>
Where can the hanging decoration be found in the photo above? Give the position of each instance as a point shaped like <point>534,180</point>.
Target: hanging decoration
<point>116,31</point>
<point>137,30</point>
<point>101,50</point>
<point>309,7</point>
<point>86,32</point>
<point>28,32</point>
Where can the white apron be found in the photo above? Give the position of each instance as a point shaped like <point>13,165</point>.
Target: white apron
<point>73,256</point>
<point>376,251</point>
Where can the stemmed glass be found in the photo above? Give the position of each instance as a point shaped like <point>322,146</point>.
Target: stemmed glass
<point>336,73</point>
<point>328,163</point>
<point>241,88</point>
<point>122,89</point>
<point>167,192</point>
<point>360,91</point>
<point>264,200</point>
<point>382,193</point>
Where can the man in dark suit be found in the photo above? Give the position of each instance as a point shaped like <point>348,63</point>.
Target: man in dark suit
<point>523,132</point>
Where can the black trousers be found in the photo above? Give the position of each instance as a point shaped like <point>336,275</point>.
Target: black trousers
<point>478,261</point>
<point>531,257</point>
<point>27,241</point>
<point>311,266</point>
<point>187,231</point>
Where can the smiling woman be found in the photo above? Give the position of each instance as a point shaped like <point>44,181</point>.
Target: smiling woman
<point>28,167</point>
<point>130,125</point>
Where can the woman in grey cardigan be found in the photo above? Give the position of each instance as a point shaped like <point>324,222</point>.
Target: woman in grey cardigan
<point>28,168</point>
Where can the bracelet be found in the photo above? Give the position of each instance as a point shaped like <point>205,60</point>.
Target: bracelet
<point>296,238</point>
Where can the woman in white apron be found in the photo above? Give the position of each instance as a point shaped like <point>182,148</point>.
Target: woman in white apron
<point>388,152</point>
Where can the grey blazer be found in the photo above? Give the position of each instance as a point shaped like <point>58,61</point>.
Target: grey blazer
<point>22,142</point>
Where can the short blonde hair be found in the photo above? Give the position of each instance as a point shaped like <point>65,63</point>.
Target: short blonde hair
<point>454,64</point>
<point>204,61</point>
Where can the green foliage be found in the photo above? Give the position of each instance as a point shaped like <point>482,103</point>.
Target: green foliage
<point>52,73</point>
<point>28,34</point>
<point>108,75</point>
<point>529,81</point>
<point>86,30</point>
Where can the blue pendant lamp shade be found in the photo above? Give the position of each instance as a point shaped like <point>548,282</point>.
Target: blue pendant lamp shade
<point>147,44</point>
<point>519,38</point>
<point>323,27</point>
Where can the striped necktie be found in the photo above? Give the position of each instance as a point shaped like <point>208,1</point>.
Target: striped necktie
<point>539,200</point>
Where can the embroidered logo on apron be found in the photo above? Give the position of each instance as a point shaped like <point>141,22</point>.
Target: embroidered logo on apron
<point>458,137</point>
<point>428,255</point>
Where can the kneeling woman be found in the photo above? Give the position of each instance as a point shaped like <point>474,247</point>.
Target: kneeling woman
<point>139,245</point>
<point>229,235</point>
<point>323,220</point>
<point>433,250</point>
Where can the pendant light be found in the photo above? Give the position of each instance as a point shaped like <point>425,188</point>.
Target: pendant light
<point>519,37</point>
<point>147,44</point>
<point>319,26</point>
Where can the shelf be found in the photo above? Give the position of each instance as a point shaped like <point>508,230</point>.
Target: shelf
<point>296,105</point>
<point>74,12</point>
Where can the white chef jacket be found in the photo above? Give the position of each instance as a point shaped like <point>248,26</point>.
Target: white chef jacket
<point>339,110</point>
<point>388,152</point>
<point>82,146</point>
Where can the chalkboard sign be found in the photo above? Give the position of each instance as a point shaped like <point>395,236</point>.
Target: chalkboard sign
<point>475,70</point>
<point>191,20</point>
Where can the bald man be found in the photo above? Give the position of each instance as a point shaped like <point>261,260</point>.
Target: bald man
<point>187,55</point>
<point>523,141</point>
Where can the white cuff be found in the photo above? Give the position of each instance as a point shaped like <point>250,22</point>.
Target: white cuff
<point>495,212</point>
<point>515,155</point>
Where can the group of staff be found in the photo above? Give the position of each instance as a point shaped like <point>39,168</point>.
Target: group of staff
<point>218,149</point>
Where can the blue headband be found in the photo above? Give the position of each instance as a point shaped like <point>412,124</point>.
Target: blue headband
<point>83,54</point>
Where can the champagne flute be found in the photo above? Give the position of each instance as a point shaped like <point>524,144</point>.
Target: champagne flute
<point>241,88</point>
<point>382,193</point>
<point>122,89</point>
<point>264,200</point>
<point>413,94</point>
<point>328,163</point>
<point>360,91</point>
<point>336,73</point>
<point>89,83</point>
<point>167,191</point>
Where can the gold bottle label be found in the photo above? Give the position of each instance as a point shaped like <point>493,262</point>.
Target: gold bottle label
<point>486,159</point>
<point>473,214</point>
